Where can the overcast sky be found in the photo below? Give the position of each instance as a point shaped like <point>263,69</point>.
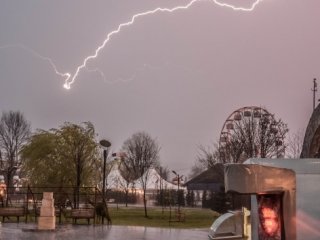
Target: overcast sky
<point>176,76</point>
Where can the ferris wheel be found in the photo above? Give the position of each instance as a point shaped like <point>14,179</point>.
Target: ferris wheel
<point>250,132</point>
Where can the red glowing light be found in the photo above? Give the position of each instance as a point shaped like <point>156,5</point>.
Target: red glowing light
<point>269,213</point>
<point>270,222</point>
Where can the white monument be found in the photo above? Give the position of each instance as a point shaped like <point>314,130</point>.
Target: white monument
<point>47,219</point>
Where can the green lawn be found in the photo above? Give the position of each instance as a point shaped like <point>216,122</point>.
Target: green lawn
<point>134,216</point>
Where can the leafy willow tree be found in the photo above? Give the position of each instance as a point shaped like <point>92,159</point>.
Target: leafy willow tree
<point>141,154</point>
<point>67,156</point>
<point>42,164</point>
<point>14,133</point>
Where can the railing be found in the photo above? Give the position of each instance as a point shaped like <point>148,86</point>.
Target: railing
<point>65,201</point>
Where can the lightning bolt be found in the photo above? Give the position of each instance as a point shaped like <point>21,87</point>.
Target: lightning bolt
<point>66,76</point>
<point>70,80</point>
<point>122,79</point>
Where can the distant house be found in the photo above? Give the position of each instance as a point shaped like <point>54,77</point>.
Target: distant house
<point>209,180</point>
<point>212,181</point>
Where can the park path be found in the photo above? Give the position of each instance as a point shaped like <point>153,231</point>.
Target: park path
<point>15,231</point>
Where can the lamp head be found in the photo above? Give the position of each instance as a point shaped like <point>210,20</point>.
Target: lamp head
<point>105,143</point>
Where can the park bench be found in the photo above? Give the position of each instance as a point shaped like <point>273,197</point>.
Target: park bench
<point>82,213</point>
<point>12,212</point>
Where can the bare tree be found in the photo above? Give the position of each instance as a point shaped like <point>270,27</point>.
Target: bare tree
<point>128,177</point>
<point>252,137</point>
<point>14,132</point>
<point>196,169</point>
<point>295,143</point>
<point>142,153</point>
<point>208,156</point>
<point>163,172</point>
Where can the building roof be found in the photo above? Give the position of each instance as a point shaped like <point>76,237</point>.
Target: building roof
<point>211,179</point>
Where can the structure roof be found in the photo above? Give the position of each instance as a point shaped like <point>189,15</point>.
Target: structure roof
<point>211,179</point>
<point>116,181</point>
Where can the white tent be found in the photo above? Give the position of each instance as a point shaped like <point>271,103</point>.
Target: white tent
<point>154,181</point>
<point>115,180</point>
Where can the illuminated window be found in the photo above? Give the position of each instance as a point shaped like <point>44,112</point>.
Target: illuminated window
<point>269,208</point>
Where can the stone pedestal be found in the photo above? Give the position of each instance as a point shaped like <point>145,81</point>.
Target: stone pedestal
<point>47,219</point>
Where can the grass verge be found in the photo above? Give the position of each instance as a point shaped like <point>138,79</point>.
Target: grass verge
<point>158,217</point>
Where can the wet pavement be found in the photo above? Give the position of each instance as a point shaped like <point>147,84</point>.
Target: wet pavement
<point>28,231</point>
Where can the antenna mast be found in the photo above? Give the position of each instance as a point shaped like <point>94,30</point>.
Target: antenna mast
<point>314,90</point>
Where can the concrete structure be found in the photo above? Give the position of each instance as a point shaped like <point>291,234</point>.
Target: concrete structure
<point>47,219</point>
<point>284,192</point>
<point>311,143</point>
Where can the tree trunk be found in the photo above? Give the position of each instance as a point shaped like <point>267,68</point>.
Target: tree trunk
<point>9,189</point>
<point>75,198</point>
<point>145,203</point>
<point>127,198</point>
<point>106,212</point>
<point>78,181</point>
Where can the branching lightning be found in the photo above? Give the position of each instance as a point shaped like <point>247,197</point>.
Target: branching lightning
<point>33,52</point>
<point>122,79</point>
<point>71,78</point>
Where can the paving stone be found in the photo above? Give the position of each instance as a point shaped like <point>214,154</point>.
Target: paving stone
<point>13,231</point>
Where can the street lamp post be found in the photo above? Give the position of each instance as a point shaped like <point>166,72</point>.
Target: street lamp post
<point>178,176</point>
<point>105,144</point>
<point>314,90</point>
<point>105,154</point>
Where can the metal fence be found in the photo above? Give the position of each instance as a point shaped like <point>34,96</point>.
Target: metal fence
<point>65,200</point>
